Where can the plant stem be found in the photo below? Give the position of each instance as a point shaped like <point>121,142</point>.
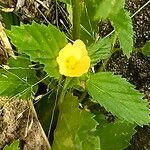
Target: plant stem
<point>82,96</point>
<point>63,92</point>
<point>76,5</point>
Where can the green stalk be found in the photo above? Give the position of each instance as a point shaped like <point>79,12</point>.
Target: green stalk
<point>76,5</point>
<point>64,89</point>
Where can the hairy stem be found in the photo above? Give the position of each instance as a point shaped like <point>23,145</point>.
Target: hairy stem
<point>64,89</point>
<point>76,5</point>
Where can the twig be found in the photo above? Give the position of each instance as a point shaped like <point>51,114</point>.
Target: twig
<point>5,41</point>
<point>19,4</point>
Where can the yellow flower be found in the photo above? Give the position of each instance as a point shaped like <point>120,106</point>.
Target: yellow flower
<point>73,60</point>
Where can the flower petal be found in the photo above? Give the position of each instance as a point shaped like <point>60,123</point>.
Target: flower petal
<point>83,66</point>
<point>73,60</point>
<point>80,46</point>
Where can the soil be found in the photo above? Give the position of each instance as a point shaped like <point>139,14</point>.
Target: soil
<point>17,121</point>
<point>45,11</point>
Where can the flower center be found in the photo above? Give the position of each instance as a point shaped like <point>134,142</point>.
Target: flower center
<point>71,62</point>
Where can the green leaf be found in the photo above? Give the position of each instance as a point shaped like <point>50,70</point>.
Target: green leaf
<point>108,7</point>
<point>119,97</point>
<point>100,50</point>
<point>42,43</point>
<point>121,21</point>
<point>146,49</point>
<point>115,135</point>
<point>67,125</point>
<point>123,26</point>
<point>18,79</point>
<point>13,146</point>
<point>88,25</point>
<point>73,131</point>
<point>86,132</point>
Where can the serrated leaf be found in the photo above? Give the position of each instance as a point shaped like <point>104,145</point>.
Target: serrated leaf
<point>115,135</point>
<point>86,132</point>
<point>121,21</point>
<point>100,50</point>
<point>123,26</point>
<point>18,79</point>
<point>119,97</point>
<point>108,7</point>
<point>13,146</point>
<point>146,49</point>
<point>72,132</point>
<point>42,43</point>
